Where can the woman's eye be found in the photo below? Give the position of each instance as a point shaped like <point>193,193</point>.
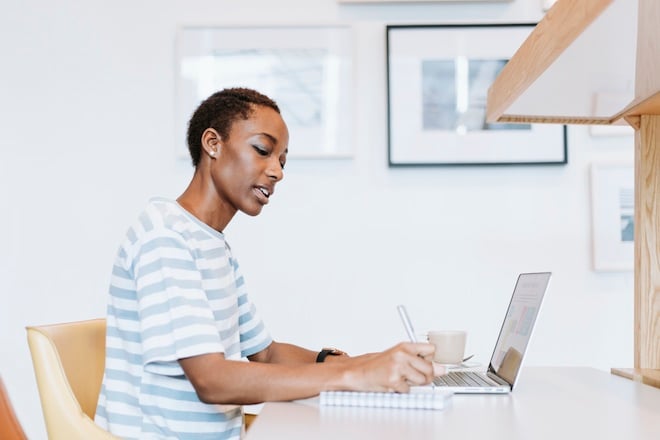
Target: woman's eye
<point>282,164</point>
<point>261,150</point>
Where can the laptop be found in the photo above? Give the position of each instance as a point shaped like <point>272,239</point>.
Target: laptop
<point>511,345</point>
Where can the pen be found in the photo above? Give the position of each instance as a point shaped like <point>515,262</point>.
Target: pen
<point>406,322</point>
<point>409,329</point>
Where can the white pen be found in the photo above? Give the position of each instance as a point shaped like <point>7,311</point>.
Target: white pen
<point>406,322</point>
<point>409,329</point>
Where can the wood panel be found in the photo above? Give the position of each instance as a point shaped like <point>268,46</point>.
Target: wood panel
<point>647,78</point>
<point>563,23</point>
<point>640,106</point>
<point>647,243</point>
<point>643,375</point>
<point>541,119</point>
<point>552,36</point>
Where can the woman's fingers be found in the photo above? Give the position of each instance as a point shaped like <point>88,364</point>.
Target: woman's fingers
<point>413,362</point>
<point>421,349</point>
<point>416,377</point>
<point>396,369</point>
<point>403,386</point>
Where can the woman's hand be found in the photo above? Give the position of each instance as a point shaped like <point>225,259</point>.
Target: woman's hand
<point>395,369</point>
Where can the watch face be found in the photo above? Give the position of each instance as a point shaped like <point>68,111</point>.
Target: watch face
<point>333,351</point>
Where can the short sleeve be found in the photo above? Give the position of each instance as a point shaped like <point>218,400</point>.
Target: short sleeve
<point>176,320</point>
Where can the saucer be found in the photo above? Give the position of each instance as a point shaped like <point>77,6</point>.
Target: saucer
<point>461,365</point>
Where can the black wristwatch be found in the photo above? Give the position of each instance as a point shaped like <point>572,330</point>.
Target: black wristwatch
<point>328,352</point>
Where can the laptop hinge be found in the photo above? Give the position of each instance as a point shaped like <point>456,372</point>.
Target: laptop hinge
<point>495,378</point>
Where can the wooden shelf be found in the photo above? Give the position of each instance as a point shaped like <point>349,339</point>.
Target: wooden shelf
<point>574,36</point>
<point>561,27</point>
<point>643,375</point>
<point>648,106</point>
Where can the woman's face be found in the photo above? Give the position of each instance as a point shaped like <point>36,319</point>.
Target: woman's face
<point>251,161</point>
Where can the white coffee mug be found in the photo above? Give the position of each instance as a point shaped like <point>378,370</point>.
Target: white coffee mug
<point>449,345</point>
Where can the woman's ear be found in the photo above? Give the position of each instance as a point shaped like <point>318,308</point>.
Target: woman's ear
<point>211,142</point>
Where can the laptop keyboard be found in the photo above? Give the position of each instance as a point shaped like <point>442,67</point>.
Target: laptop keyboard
<point>462,378</point>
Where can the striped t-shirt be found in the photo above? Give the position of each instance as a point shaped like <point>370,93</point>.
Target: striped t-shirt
<point>175,292</point>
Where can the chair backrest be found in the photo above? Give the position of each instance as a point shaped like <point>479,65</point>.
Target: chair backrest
<point>10,427</point>
<point>68,361</point>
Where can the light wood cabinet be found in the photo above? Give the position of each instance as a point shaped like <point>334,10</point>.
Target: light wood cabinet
<point>573,39</point>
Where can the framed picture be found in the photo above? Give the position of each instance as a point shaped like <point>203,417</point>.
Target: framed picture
<point>613,215</point>
<point>307,70</point>
<point>437,83</point>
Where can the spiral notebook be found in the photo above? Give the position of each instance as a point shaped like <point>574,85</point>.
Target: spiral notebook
<point>417,398</point>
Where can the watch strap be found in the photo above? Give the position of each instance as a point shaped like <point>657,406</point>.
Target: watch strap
<point>328,352</point>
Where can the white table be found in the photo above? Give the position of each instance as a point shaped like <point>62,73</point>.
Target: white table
<point>547,403</point>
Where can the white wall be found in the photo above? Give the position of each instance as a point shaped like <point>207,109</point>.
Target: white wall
<point>87,135</point>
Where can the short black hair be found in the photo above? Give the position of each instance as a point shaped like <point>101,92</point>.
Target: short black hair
<point>219,111</point>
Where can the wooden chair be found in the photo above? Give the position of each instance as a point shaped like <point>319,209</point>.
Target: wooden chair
<point>248,419</point>
<point>68,361</point>
<point>10,427</point>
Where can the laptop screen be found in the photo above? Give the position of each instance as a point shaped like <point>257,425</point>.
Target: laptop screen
<point>518,325</point>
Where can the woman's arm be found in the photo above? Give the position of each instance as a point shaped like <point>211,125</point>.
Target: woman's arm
<point>217,380</point>
<point>289,354</point>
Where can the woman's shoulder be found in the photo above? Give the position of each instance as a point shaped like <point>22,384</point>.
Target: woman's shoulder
<point>166,214</point>
<point>161,213</point>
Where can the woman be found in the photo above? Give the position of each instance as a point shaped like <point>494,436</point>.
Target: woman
<point>180,324</point>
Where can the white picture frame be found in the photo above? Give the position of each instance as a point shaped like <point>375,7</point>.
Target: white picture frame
<point>612,213</point>
<point>437,79</point>
<point>306,69</point>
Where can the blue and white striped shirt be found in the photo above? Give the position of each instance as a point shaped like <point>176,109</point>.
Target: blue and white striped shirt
<point>176,291</point>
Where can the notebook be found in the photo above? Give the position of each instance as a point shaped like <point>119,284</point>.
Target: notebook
<point>511,345</point>
<point>417,398</point>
